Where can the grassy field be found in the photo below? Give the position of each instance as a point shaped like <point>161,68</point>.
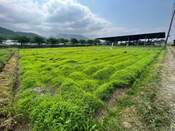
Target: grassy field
<point>61,89</point>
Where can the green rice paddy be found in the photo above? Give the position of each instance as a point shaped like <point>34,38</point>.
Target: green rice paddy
<point>62,89</point>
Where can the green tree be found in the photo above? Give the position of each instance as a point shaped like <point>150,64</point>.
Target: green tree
<point>83,41</point>
<point>96,41</point>
<point>2,39</point>
<point>52,41</point>
<point>74,41</point>
<point>22,40</point>
<point>62,40</point>
<point>91,42</point>
<point>39,40</point>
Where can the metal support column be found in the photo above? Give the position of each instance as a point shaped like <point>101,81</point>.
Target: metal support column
<point>170,26</point>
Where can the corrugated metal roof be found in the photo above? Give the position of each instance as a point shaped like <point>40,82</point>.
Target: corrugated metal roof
<point>135,37</point>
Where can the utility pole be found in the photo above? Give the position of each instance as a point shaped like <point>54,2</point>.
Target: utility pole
<point>170,26</point>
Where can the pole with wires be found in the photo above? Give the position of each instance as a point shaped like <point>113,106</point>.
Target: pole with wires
<point>170,26</point>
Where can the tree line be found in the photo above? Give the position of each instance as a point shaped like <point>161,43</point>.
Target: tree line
<point>40,41</point>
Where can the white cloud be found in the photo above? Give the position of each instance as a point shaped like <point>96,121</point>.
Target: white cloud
<point>54,16</point>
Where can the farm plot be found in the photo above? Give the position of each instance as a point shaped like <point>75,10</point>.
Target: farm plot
<point>61,89</point>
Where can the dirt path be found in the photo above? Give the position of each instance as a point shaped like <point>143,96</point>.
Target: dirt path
<point>7,82</point>
<point>167,90</point>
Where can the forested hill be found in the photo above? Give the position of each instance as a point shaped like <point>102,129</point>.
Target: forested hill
<point>9,33</point>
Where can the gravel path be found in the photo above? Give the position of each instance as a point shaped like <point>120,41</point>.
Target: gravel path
<point>167,90</point>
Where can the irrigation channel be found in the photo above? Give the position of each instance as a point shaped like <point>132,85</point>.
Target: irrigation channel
<point>8,79</point>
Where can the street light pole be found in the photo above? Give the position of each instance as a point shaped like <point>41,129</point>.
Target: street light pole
<point>170,26</point>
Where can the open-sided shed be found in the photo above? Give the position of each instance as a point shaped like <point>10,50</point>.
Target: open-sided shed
<point>135,38</point>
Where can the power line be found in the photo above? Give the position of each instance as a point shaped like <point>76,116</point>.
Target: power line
<point>171,23</point>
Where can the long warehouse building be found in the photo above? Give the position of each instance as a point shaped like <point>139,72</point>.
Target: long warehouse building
<point>148,37</point>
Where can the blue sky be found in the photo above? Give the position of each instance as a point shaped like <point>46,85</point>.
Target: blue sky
<point>142,14</point>
<point>92,18</point>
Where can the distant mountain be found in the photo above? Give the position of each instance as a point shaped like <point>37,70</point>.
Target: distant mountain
<point>4,31</point>
<point>28,34</point>
<point>69,36</point>
<point>9,33</point>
